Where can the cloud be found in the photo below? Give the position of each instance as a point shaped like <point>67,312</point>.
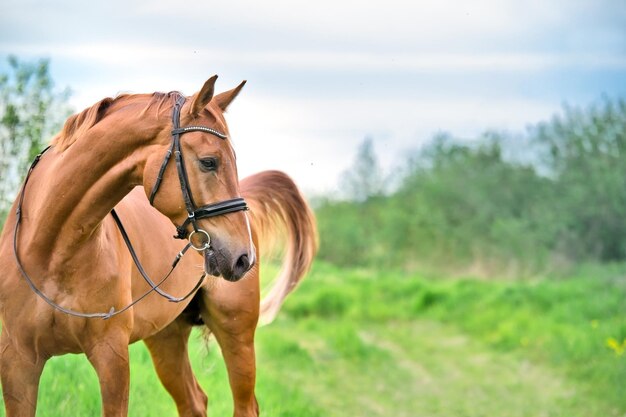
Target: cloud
<point>129,55</point>
<point>325,74</point>
<point>393,26</point>
<point>315,140</point>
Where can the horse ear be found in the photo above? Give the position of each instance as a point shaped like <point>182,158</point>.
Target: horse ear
<point>203,97</point>
<point>224,99</point>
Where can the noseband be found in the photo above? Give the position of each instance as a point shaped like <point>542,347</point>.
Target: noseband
<point>193,213</point>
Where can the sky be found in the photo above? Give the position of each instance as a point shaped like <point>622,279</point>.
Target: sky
<point>324,75</point>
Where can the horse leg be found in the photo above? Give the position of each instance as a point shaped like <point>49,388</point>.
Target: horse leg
<point>231,310</point>
<point>168,349</point>
<point>20,372</point>
<point>109,357</point>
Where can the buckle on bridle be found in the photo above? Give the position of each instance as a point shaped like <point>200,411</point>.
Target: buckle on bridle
<point>204,245</point>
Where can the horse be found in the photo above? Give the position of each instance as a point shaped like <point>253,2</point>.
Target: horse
<point>92,227</point>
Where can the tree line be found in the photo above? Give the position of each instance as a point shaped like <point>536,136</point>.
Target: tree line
<point>553,197</point>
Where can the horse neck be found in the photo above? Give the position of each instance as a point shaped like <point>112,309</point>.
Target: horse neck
<point>78,187</point>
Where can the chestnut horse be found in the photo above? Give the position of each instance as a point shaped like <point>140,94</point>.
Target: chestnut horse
<point>67,266</point>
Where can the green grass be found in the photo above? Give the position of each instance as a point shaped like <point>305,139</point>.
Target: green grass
<point>553,332</point>
<point>364,343</point>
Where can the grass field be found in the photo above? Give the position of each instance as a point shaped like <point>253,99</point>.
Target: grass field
<point>361,343</point>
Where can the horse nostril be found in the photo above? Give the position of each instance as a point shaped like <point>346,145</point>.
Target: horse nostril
<point>241,266</point>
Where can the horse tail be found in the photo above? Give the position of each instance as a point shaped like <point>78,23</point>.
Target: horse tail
<point>279,214</point>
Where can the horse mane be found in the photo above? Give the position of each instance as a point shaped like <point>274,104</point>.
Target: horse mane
<point>78,124</point>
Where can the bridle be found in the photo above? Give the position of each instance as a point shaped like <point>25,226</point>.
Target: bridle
<point>193,215</point>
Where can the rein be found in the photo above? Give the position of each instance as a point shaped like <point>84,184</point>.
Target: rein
<point>193,214</point>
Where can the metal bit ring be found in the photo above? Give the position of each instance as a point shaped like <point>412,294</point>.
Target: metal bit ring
<point>206,245</point>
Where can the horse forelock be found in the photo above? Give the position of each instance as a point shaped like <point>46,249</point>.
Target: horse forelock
<point>158,100</point>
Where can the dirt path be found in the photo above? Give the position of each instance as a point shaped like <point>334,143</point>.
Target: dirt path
<point>450,375</point>
<point>427,369</point>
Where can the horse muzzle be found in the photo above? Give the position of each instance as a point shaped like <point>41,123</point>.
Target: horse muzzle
<point>231,268</point>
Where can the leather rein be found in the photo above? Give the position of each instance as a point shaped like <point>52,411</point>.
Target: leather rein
<point>194,214</point>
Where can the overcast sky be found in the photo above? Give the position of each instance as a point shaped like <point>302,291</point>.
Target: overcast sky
<point>323,75</point>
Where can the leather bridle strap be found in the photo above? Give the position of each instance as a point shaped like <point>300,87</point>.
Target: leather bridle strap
<point>180,161</point>
<point>154,286</point>
<point>212,210</point>
<point>155,188</point>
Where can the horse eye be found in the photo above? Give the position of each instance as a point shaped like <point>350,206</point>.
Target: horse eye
<point>208,164</point>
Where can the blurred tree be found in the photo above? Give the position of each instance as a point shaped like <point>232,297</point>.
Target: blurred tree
<point>468,202</point>
<point>365,178</point>
<point>584,150</point>
<point>30,112</point>
<point>349,229</point>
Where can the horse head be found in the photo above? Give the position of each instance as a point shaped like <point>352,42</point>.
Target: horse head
<point>199,189</point>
